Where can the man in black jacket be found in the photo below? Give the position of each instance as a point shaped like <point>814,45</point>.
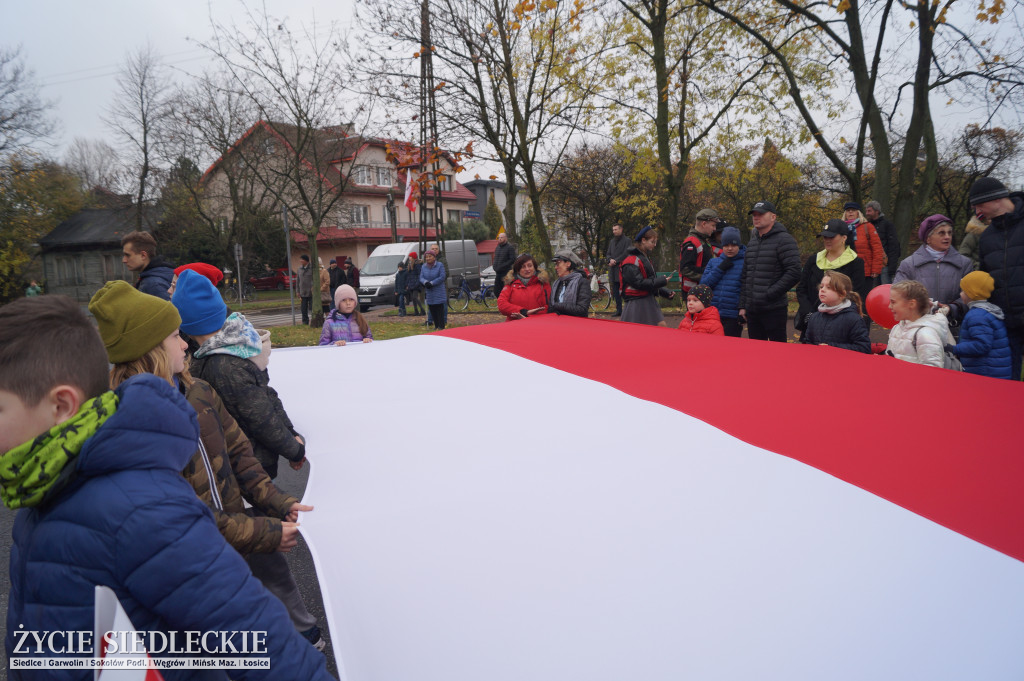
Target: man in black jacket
<point>887,234</point>
<point>1001,254</point>
<point>337,276</point>
<point>504,256</point>
<point>770,269</point>
<point>696,252</point>
<point>618,249</point>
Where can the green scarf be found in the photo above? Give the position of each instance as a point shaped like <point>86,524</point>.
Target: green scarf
<point>35,471</point>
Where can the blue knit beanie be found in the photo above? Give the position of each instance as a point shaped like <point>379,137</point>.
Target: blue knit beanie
<point>730,236</point>
<point>202,309</point>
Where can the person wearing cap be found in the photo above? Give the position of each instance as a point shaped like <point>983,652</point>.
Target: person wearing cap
<point>570,294</point>
<point>211,272</point>
<point>1001,254</point>
<point>336,275</point>
<point>504,257</point>
<point>696,250</point>
<point>701,316</point>
<point>228,346</point>
<point>890,240</point>
<point>112,508</point>
<point>837,256</point>
<point>723,276</point>
<point>866,242</point>
<point>351,273</point>
<point>938,266</point>
<point>223,465</point>
<point>641,283</point>
<point>770,269</point>
<point>304,282</point>
<point>984,346</point>
<point>527,291</point>
<point>345,324</point>
<point>618,248</point>
<point>413,286</point>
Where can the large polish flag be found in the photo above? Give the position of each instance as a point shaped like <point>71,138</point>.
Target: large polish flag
<point>561,498</point>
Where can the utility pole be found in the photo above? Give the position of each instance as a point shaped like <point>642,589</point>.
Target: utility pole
<point>429,152</point>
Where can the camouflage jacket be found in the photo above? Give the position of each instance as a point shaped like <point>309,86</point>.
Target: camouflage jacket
<point>225,455</point>
<point>247,394</point>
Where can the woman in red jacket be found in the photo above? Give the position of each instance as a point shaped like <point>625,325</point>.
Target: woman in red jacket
<point>866,243</point>
<point>526,292</point>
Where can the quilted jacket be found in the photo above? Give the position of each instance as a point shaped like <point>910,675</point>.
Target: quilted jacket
<point>130,521</point>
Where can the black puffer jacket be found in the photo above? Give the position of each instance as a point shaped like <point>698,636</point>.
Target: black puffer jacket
<point>810,278</point>
<point>771,267</point>
<point>844,329</point>
<point>1001,252</point>
<point>246,392</point>
<point>579,306</point>
<point>890,242</point>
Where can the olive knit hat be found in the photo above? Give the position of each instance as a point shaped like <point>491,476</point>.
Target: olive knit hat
<point>131,323</point>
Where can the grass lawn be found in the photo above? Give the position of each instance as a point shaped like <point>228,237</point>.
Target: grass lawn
<point>301,336</point>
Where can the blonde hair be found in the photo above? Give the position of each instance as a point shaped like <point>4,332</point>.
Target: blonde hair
<point>915,291</point>
<point>860,217</point>
<point>154,362</point>
<point>843,285</point>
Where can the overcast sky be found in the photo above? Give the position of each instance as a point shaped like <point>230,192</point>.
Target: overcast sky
<point>76,48</point>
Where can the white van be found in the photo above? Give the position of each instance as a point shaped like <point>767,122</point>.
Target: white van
<point>377,276</point>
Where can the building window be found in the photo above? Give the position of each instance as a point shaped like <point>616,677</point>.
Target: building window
<point>384,177</point>
<point>361,175</point>
<point>454,216</point>
<point>112,268</point>
<point>360,215</point>
<point>445,183</point>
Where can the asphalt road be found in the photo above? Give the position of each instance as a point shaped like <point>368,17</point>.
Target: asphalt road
<point>292,482</point>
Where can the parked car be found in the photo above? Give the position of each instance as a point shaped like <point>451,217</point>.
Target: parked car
<point>273,279</point>
<point>487,276</point>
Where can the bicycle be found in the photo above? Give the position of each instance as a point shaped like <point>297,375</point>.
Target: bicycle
<point>601,299</point>
<point>229,292</point>
<point>459,297</point>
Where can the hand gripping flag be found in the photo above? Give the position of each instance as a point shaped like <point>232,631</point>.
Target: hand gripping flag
<point>629,502</point>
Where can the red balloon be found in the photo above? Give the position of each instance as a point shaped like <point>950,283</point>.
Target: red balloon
<point>877,306</point>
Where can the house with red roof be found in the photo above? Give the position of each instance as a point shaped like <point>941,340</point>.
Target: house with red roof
<point>358,167</point>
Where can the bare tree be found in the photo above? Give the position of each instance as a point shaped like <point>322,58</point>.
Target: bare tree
<point>520,76</point>
<point>24,116</point>
<point>137,116</point>
<point>299,149</point>
<point>96,163</point>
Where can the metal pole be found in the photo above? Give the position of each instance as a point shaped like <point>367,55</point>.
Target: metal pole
<point>288,248</point>
<point>238,272</point>
<point>462,240</point>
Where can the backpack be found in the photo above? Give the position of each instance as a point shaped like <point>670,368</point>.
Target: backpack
<point>949,360</point>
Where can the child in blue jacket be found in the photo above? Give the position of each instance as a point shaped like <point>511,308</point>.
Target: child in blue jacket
<point>723,275</point>
<point>984,347</point>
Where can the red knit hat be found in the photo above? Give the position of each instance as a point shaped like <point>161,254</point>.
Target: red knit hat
<point>209,271</point>
<point>412,256</point>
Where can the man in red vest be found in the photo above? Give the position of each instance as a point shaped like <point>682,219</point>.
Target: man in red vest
<point>696,251</point>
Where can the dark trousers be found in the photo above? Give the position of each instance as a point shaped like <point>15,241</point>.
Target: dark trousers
<point>415,298</point>
<point>499,282</point>
<point>307,303</point>
<point>401,304</point>
<point>613,284</point>
<point>438,313</point>
<point>769,325</point>
<point>1016,337</point>
<point>732,326</point>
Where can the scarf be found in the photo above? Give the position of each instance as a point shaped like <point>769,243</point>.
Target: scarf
<point>846,257</point>
<point>37,470</point>
<point>525,280</point>
<point>832,309</point>
<point>991,308</point>
<point>936,255</point>
<point>570,284</point>
<point>237,337</point>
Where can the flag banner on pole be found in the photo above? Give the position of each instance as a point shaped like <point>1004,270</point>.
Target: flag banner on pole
<point>560,498</point>
<point>410,195</point>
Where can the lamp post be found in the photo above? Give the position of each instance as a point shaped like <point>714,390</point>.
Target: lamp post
<point>288,250</point>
